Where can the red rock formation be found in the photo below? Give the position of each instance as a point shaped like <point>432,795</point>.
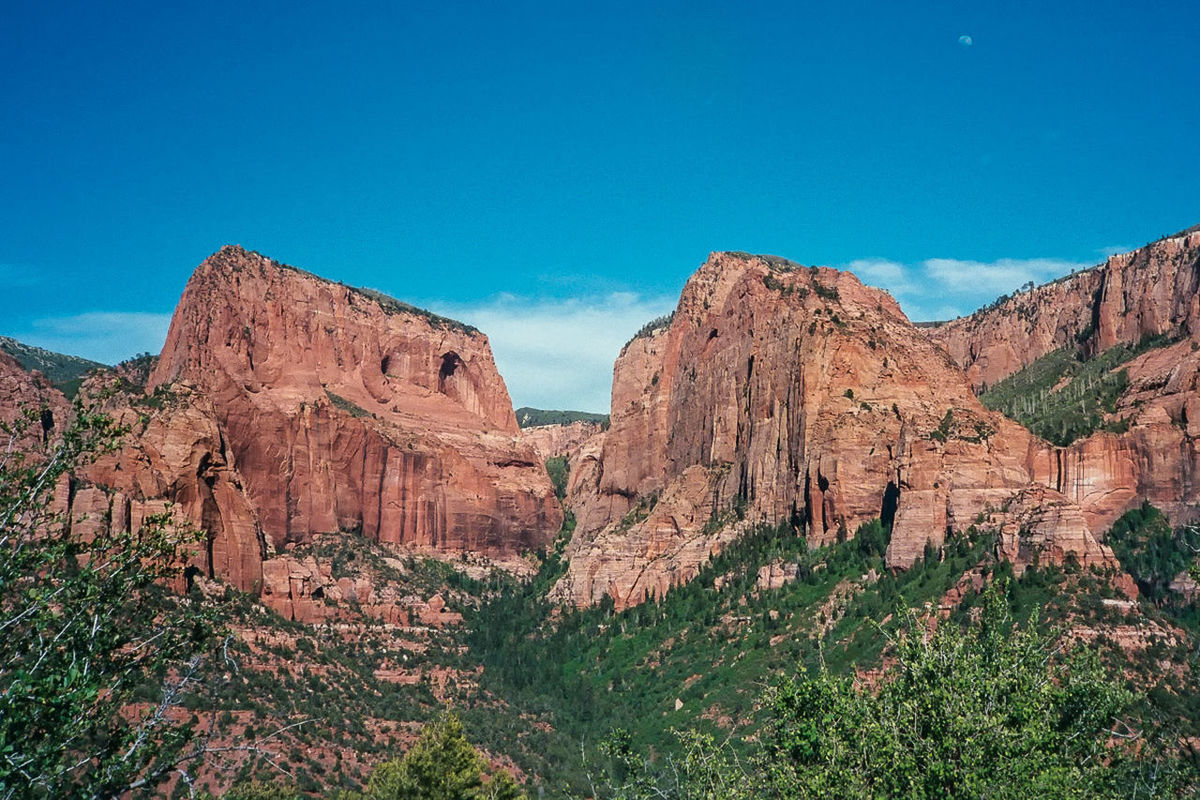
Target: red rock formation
<point>175,457</point>
<point>788,393</point>
<point>33,409</point>
<point>1153,291</point>
<point>560,440</point>
<point>284,406</point>
<point>1040,526</point>
<point>344,409</point>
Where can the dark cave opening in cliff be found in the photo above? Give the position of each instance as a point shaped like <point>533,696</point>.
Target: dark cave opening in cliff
<point>450,364</point>
<point>891,501</point>
<point>189,577</point>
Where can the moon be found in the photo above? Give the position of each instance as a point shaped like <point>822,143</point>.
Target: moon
<point>965,40</point>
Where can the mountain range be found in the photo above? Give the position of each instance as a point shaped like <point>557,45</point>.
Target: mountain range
<point>329,440</point>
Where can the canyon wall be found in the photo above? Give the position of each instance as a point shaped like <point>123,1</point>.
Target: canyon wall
<point>780,392</point>
<point>284,406</point>
<point>1153,291</point>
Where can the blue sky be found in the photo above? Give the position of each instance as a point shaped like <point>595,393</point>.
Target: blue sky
<point>553,172</point>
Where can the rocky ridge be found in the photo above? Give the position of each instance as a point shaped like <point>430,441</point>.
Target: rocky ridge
<point>285,406</point>
<point>560,440</point>
<point>1150,293</point>
<point>781,392</point>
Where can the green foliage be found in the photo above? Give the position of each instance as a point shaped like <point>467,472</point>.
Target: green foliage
<point>707,643</point>
<point>983,712</point>
<point>651,327</point>
<point>1063,396</point>
<point>87,629</point>
<point>559,471</point>
<point>441,765</point>
<point>825,292</point>
<point>1151,551</point>
<point>951,427</point>
<point>531,417</point>
<point>259,790</point>
<point>705,770</point>
<point>872,538</point>
<point>349,406</point>
<point>993,710</point>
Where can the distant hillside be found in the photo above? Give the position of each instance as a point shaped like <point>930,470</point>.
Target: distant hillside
<point>532,417</point>
<point>63,371</point>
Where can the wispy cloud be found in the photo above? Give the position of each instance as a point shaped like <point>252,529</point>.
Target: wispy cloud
<point>944,288</point>
<point>559,354</point>
<point>104,336</point>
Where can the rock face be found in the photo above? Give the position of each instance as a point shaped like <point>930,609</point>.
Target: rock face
<point>560,440</point>
<point>285,406</point>
<point>29,393</point>
<point>779,392</point>
<point>1150,292</point>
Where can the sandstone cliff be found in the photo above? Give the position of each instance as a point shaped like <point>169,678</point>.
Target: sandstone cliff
<point>284,406</point>
<point>560,440</point>
<point>779,392</point>
<point>1151,292</point>
<point>32,410</point>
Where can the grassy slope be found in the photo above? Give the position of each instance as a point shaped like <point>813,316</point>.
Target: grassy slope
<point>1063,397</point>
<point>709,651</point>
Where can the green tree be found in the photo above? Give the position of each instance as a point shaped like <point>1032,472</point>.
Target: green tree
<point>559,471</point>
<point>440,765</point>
<point>989,711</point>
<point>87,628</point>
<point>258,790</point>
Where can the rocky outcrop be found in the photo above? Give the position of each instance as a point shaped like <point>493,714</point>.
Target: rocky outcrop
<point>284,406</point>
<point>346,410</point>
<point>560,440</point>
<point>1152,291</point>
<point>1040,526</point>
<point>780,392</point>
<point>174,458</point>
<point>32,411</point>
<point>306,590</point>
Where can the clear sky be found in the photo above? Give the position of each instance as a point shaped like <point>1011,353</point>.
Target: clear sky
<point>553,171</point>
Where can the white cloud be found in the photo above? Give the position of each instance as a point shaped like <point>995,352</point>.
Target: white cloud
<point>559,354</point>
<point>104,336</point>
<point>997,277</point>
<point>944,288</point>
<point>885,274</point>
